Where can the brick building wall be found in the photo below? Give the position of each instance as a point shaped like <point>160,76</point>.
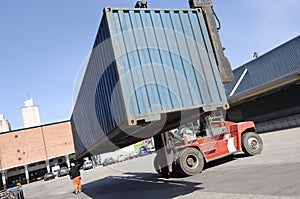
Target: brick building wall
<point>25,146</point>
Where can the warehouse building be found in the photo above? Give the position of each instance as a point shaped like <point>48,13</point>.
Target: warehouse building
<point>267,89</point>
<point>27,154</point>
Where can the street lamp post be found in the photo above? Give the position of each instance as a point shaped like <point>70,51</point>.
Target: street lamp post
<point>3,176</point>
<point>46,154</point>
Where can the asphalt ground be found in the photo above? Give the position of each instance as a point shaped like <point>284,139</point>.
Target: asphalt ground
<point>273,174</point>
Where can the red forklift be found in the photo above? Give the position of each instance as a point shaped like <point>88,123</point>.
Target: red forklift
<point>184,151</point>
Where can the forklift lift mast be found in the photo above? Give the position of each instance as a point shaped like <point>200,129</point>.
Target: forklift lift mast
<point>209,16</point>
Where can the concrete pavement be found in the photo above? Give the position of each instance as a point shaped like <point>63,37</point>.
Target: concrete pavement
<point>273,174</point>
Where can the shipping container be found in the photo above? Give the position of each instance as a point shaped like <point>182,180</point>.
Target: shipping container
<point>149,71</point>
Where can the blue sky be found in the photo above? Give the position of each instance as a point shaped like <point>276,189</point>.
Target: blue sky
<point>44,43</point>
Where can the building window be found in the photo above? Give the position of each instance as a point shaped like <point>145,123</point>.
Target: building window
<point>16,136</point>
<point>19,159</point>
<point>32,165</point>
<point>18,151</point>
<point>39,163</point>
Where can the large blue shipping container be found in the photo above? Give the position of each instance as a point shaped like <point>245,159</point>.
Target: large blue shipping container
<point>150,70</point>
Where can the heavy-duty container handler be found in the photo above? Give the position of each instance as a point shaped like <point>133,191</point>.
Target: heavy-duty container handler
<point>184,151</point>
<point>143,68</point>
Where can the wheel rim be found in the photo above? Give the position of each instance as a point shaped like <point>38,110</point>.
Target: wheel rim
<point>192,161</point>
<point>253,143</point>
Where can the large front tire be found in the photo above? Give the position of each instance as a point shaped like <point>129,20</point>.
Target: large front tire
<point>252,144</point>
<point>191,161</point>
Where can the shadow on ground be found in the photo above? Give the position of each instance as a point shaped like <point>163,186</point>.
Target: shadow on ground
<point>139,185</point>
<point>147,185</point>
<point>224,160</point>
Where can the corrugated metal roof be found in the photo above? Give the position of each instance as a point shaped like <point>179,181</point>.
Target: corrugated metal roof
<point>270,67</point>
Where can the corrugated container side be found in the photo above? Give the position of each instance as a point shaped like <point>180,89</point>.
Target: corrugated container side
<point>92,116</point>
<point>164,58</point>
<point>144,64</point>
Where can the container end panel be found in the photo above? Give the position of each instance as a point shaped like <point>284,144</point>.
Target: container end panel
<point>164,60</point>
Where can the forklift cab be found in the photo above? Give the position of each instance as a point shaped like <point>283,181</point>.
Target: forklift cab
<point>215,124</point>
<point>188,131</point>
<point>210,126</point>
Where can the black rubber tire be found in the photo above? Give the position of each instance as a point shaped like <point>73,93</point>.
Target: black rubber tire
<point>20,194</point>
<point>164,171</point>
<point>190,162</point>
<point>252,143</point>
<point>177,171</point>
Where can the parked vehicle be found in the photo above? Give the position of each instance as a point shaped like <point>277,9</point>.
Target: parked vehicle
<point>133,155</point>
<point>88,164</point>
<point>143,150</point>
<point>63,171</point>
<point>55,169</point>
<point>108,161</point>
<point>151,149</point>
<point>49,176</point>
<point>121,158</point>
<point>14,192</point>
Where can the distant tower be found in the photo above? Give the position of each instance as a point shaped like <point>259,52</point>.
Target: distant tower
<point>30,114</point>
<point>4,124</point>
